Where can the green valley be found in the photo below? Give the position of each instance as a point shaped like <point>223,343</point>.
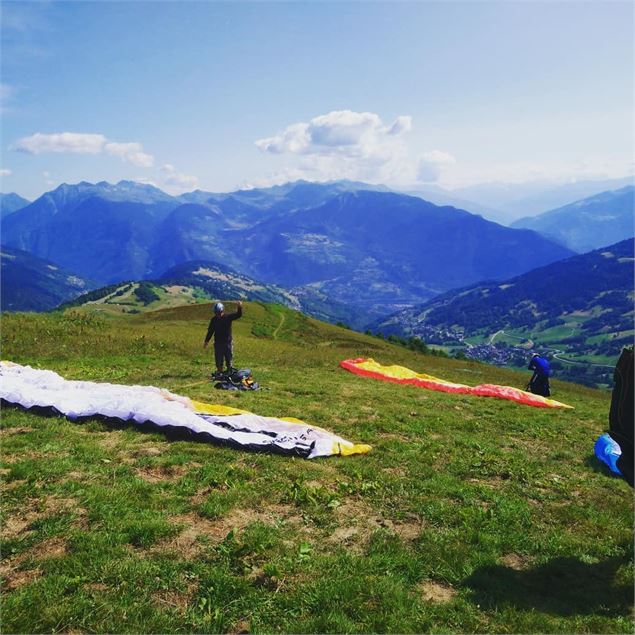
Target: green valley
<point>578,310</point>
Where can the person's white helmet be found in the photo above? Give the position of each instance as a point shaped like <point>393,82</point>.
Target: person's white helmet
<point>218,307</point>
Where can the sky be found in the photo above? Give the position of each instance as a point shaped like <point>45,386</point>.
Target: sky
<point>219,96</point>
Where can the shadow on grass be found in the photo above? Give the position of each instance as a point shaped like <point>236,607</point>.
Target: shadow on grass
<point>594,464</point>
<point>563,586</point>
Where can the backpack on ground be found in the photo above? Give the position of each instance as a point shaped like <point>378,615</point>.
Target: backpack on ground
<point>237,380</point>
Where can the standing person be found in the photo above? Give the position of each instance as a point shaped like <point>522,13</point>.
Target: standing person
<point>539,383</point>
<point>220,326</point>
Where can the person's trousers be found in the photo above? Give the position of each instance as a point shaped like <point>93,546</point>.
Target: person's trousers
<point>539,385</point>
<point>224,351</point>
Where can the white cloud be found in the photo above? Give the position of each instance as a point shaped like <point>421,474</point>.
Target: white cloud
<point>5,172</point>
<point>130,152</point>
<point>83,143</point>
<point>344,128</point>
<point>431,165</point>
<point>176,181</point>
<point>342,131</point>
<point>344,144</point>
<point>293,139</point>
<point>66,142</point>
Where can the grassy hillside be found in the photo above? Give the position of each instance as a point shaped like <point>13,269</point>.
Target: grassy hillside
<point>197,282</point>
<point>469,514</point>
<point>136,297</point>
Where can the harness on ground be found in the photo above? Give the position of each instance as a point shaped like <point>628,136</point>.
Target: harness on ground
<point>235,380</point>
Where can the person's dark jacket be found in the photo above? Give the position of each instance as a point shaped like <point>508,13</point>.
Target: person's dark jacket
<point>621,414</point>
<point>220,326</point>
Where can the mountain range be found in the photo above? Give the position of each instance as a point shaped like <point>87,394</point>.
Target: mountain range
<point>589,223</point>
<point>345,242</point>
<point>29,283</point>
<point>507,202</point>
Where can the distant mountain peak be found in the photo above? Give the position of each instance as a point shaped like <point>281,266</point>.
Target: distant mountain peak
<point>10,203</point>
<point>128,191</point>
<point>588,223</point>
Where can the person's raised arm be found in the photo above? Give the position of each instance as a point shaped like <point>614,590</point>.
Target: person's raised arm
<point>239,311</point>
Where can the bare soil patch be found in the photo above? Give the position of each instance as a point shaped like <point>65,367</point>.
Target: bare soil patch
<point>492,482</point>
<point>436,592</point>
<point>7,432</point>
<point>10,568</point>
<point>161,474</point>
<point>395,471</point>
<point>13,484</point>
<point>196,529</point>
<point>31,455</point>
<point>50,548</point>
<point>17,524</point>
<point>74,475</point>
<point>108,440</point>
<point>58,504</point>
<point>358,522</point>
<point>149,450</point>
<point>131,455</point>
<point>201,496</point>
<point>515,561</point>
<point>14,579</point>
<point>179,600</point>
<point>241,627</point>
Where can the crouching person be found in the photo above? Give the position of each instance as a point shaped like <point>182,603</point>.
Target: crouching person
<point>539,383</point>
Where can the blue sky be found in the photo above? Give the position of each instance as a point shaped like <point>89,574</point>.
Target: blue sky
<point>223,95</point>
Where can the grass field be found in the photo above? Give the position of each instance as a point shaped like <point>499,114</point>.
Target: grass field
<point>469,515</point>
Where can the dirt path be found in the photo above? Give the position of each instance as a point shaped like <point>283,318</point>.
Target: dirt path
<point>493,337</point>
<point>275,333</point>
<point>530,343</point>
<point>557,353</point>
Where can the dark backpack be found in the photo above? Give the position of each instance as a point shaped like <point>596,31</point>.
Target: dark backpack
<point>238,380</point>
<point>621,417</point>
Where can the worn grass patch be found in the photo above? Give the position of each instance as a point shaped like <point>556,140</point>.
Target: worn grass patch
<point>469,514</point>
